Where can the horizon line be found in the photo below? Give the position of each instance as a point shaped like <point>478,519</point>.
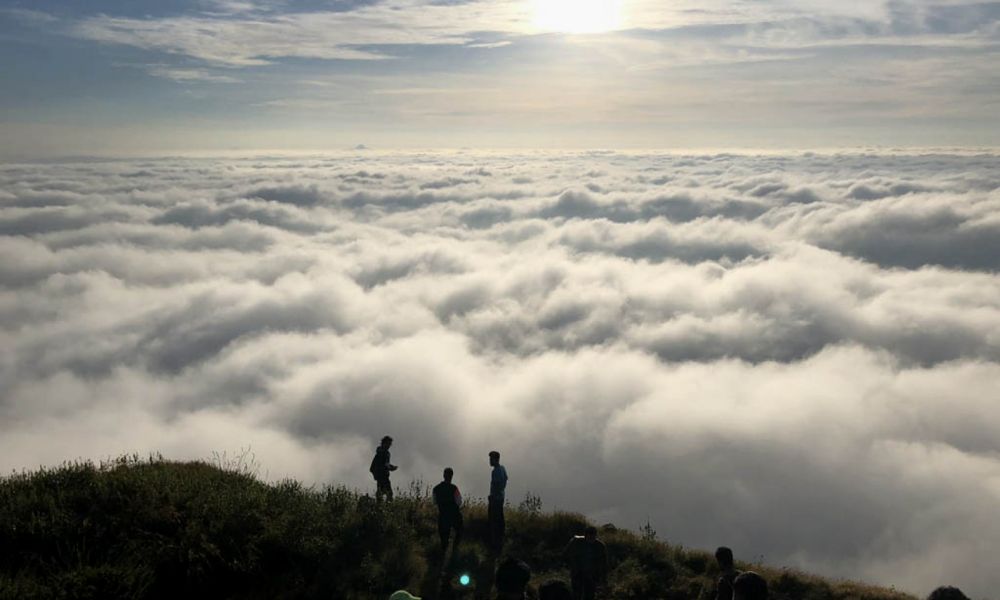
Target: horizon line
<point>261,153</point>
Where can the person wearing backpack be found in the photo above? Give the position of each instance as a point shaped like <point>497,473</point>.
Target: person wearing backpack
<point>380,468</point>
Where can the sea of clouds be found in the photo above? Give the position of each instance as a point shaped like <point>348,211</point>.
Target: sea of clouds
<point>795,355</point>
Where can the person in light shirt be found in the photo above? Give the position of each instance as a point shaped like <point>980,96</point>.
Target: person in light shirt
<point>498,490</point>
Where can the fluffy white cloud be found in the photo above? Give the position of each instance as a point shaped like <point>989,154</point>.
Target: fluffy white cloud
<point>796,355</point>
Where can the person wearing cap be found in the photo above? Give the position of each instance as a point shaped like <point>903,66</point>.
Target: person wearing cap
<point>403,595</point>
<point>380,469</point>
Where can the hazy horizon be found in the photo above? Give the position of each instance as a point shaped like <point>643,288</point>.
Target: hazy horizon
<point>118,77</point>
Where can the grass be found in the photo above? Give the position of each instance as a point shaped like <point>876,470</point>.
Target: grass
<point>151,528</point>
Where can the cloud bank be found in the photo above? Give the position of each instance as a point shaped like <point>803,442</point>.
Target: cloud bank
<point>796,355</point>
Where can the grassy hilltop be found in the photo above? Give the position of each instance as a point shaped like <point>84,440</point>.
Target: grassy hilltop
<point>157,529</point>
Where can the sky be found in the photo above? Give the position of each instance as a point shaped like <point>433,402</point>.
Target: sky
<point>793,354</point>
<point>124,77</point>
<point>730,266</point>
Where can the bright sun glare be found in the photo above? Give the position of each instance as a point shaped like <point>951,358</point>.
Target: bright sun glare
<point>578,16</point>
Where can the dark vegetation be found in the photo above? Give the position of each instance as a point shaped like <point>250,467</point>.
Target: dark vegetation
<point>135,528</point>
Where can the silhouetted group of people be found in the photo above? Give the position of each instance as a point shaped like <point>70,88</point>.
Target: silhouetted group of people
<point>585,555</point>
<point>448,498</point>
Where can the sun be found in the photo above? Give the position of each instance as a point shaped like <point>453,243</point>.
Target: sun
<point>578,16</point>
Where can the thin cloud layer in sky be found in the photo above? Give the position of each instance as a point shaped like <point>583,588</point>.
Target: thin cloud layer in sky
<point>797,355</point>
<point>121,77</point>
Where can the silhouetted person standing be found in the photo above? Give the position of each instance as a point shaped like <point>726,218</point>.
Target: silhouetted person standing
<point>449,503</point>
<point>588,564</point>
<point>380,469</point>
<point>749,586</point>
<point>498,491</point>
<point>724,589</point>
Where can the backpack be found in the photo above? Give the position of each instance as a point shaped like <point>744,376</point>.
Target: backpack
<point>378,464</point>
